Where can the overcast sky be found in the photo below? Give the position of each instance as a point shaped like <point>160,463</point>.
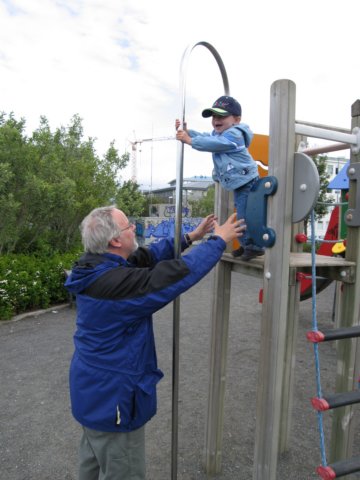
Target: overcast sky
<point>116,63</point>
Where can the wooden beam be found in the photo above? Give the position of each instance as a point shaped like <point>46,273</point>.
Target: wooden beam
<point>217,368</point>
<point>276,282</point>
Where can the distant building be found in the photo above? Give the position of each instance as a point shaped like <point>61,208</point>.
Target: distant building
<point>194,188</point>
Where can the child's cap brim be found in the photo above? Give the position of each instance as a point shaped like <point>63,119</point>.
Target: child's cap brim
<point>209,112</point>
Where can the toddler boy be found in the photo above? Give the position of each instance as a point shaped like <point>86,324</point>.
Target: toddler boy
<point>234,167</point>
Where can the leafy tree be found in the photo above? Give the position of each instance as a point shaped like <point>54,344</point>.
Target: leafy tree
<point>13,166</point>
<point>130,199</point>
<point>49,182</point>
<point>204,206</point>
<point>320,209</point>
<point>8,207</point>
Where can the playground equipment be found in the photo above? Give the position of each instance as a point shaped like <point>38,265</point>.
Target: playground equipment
<point>305,171</point>
<point>280,269</point>
<point>321,402</point>
<point>281,300</point>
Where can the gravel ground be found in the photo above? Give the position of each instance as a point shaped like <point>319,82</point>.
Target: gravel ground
<point>39,438</point>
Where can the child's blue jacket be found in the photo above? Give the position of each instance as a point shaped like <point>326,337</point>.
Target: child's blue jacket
<point>233,164</point>
<point>114,371</point>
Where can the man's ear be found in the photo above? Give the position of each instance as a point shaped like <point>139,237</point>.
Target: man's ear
<point>115,242</point>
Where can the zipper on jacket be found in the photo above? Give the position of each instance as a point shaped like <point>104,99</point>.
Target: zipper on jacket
<point>118,417</point>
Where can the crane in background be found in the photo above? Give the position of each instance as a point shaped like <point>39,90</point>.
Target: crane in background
<point>134,145</point>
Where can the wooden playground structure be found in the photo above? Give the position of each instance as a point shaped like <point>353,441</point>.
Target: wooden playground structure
<point>281,269</point>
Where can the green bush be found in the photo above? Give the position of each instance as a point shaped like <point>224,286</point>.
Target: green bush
<point>29,282</point>
<point>307,247</point>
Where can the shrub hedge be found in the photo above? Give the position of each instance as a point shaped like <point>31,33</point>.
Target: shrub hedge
<point>30,282</point>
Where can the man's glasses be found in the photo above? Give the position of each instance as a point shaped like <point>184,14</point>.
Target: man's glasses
<point>130,225</point>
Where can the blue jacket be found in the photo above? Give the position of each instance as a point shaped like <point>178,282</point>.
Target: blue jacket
<point>233,164</point>
<point>114,371</point>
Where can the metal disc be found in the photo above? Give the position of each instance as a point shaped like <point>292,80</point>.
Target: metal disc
<point>306,186</point>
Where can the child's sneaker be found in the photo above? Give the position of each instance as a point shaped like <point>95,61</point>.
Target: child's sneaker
<point>237,253</point>
<point>249,254</point>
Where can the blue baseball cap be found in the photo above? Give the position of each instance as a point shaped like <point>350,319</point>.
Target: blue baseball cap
<point>223,106</point>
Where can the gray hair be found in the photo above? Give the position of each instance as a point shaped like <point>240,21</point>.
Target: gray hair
<point>98,228</point>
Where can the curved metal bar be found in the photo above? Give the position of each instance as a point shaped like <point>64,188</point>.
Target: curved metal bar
<point>178,227</point>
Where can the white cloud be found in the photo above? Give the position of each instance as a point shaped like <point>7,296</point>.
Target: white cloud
<point>117,65</point>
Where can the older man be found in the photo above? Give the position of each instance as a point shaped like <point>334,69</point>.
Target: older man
<point>114,371</point>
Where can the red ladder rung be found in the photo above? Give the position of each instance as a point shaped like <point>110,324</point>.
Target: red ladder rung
<point>339,469</point>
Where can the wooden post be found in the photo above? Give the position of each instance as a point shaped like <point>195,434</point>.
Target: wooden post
<point>290,342</point>
<point>218,349</point>
<point>348,351</point>
<point>276,282</point>
<point>218,354</point>
<point>289,362</point>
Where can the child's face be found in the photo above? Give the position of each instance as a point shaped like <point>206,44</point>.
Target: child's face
<point>220,124</point>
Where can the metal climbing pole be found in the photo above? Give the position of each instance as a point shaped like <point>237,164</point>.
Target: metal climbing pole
<point>178,224</point>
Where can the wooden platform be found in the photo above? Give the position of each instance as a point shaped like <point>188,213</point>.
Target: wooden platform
<point>335,268</point>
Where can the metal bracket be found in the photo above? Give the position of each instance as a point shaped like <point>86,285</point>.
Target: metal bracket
<point>256,211</point>
<point>302,146</point>
<point>352,215</point>
<point>356,148</point>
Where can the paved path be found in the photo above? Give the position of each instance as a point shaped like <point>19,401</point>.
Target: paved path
<point>39,438</point>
